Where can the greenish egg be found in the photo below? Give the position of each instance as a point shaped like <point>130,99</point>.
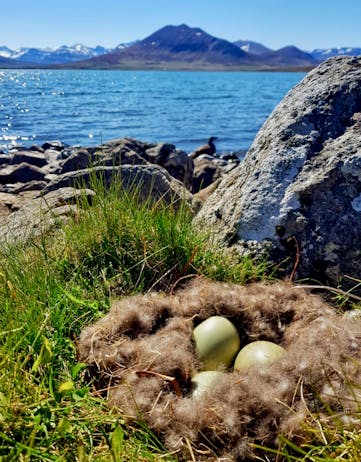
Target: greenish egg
<point>217,342</point>
<point>203,382</point>
<point>261,353</point>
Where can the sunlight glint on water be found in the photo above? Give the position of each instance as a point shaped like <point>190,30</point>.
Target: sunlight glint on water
<point>183,108</point>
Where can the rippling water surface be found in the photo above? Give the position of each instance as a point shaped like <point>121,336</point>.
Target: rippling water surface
<point>183,108</point>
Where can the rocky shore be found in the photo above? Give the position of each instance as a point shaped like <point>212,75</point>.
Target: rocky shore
<point>297,194</point>
<point>47,178</point>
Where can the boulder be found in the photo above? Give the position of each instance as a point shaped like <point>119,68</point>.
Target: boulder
<point>33,158</point>
<point>20,173</point>
<point>7,201</point>
<point>298,191</point>
<point>153,181</point>
<point>4,159</point>
<point>78,160</point>
<point>18,188</point>
<point>10,202</point>
<point>176,162</point>
<point>120,152</point>
<point>206,172</point>
<point>39,215</point>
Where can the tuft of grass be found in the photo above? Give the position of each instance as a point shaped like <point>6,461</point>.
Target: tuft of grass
<point>56,284</point>
<point>51,288</point>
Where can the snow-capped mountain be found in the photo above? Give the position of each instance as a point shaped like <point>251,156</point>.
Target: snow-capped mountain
<point>322,54</point>
<point>184,39</point>
<point>61,55</point>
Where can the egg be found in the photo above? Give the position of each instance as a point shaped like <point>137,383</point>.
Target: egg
<point>217,342</point>
<point>203,382</point>
<point>261,353</point>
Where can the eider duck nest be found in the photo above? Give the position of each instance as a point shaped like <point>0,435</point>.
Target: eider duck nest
<point>142,355</point>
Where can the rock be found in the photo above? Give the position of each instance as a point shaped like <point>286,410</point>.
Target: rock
<point>56,145</point>
<point>7,201</point>
<point>21,173</point>
<point>33,158</point>
<point>176,162</point>
<point>206,172</point>
<point>10,202</point>
<point>36,148</point>
<point>41,214</point>
<point>121,152</point>
<point>4,159</point>
<point>232,156</point>
<point>299,187</point>
<point>17,188</point>
<point>78,160</point>
<point>154,182</point>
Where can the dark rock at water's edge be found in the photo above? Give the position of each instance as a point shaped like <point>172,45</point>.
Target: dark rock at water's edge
<point>298,190</point>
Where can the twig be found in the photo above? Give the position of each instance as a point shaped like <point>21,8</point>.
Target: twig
<point>156,374</point>
<point>190,450</point>
<point>162,277</point>
<point>331,289</point>
<point>181,279</point>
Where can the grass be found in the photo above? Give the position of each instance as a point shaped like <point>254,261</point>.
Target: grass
<point>121,244</point>
<point>50,289</point>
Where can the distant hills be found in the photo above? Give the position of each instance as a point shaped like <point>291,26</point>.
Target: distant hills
<point>172,47</point>
<point>62,55</point>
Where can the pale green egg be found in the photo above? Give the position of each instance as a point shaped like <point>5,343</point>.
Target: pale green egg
<point>260,353</point>
<point>203,382</point>
<point>217,342</point>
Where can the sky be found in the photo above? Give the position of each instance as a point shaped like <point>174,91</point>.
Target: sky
<point>307,24</point>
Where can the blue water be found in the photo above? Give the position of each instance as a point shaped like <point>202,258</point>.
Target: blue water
<point>184,108</point>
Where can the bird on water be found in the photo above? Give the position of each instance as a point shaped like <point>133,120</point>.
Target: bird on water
<point>207,149</point>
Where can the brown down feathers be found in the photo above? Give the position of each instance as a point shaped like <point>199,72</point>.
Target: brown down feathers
<point>142,356</point>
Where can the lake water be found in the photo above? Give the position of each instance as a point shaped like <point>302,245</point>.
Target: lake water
<point>184,108</point>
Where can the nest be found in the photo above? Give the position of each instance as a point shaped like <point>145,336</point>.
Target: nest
<point>141,355</point>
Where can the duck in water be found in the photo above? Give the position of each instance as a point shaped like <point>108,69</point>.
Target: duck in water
<point>207,149</point>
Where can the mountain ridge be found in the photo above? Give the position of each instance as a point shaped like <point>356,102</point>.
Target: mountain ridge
<point>173,47</point>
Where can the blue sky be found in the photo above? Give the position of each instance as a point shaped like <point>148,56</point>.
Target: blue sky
<point>307,24</point>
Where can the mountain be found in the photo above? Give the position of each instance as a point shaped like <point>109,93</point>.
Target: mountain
<point>322,54</point>
<point>172,47</point>
<point>6,52</point>
<point>254,48</point>
<point>175,47</point>
<point>8,63</point>
<point>61,55</point>
<point>184,47</point>
<point>45,56</point>
<point>289,56</point>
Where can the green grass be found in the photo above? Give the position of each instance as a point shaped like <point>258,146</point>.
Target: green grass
<point>60,282</point>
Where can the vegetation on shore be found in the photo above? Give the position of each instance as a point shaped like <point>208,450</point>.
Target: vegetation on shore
<point>117,246</point>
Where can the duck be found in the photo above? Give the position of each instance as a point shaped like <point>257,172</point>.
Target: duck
<point>207,149</point>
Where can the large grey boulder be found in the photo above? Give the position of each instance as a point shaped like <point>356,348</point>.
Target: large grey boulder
<point>298,190</point>
<point>153,182</point>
